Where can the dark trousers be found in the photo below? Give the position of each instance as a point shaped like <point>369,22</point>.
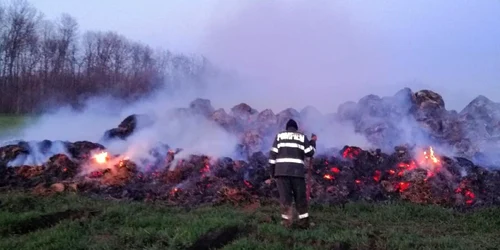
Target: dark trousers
<point>292,188</point>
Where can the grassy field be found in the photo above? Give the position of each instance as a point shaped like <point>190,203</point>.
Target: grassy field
<point>74,222</point>
<point>9,123</point>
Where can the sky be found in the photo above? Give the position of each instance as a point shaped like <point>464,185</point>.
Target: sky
<point>321,53</point>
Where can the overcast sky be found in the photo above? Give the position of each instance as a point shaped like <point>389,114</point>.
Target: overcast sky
<point>338,50</point>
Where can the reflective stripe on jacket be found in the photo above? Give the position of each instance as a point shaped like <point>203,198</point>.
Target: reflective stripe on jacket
<point>288,152</point>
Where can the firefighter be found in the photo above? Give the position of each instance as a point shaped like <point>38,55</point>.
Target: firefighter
<point>287,167</point>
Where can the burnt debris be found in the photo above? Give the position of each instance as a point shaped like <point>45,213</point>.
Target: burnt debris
<point>394,168</point>
<point>417,175</point>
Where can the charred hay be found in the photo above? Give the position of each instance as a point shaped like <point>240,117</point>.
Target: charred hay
<point>397,169</point>
<point>352,174</point>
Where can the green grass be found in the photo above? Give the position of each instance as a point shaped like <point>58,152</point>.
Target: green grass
<point>28,222</point>
<point>135,225</point>
<point>10,123</point>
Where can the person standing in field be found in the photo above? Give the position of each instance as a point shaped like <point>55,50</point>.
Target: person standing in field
<point>286,160</point>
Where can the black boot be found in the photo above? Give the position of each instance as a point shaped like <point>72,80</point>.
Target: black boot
<point>305,223</point>
<point>286,217</point>
<point>286,223</point>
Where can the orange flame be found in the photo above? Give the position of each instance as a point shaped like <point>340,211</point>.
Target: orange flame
<point>431,162</point>
<point>328,177</point>
<point>101,158</point>
<point>429,155</point>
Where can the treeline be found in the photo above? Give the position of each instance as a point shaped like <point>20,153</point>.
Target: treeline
<point>49,62</point>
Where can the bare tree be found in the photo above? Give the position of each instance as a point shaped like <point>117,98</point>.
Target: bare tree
<point>66,37</point>
<point>17,41</point>
<point>46,62</point>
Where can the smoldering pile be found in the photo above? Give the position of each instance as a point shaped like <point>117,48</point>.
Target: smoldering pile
<point>347,175</point>
<point>385,122</point>
<point>396,171</point>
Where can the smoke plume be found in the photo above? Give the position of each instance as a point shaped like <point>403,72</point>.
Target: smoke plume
<point>280,54</point>
<point>323,53</point>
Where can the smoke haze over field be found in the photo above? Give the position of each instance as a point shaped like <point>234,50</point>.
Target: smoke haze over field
<point>195,134</point>
<point>338,50</point>
<point>293,54</point>
<point>324,53</point>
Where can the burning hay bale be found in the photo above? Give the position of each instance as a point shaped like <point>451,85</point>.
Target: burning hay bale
<point>396,170</point>
<point>419,176</point>
<point>10,152</point>
<point>82,150</point>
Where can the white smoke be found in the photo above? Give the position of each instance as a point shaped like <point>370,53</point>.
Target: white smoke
<point>38,154</point>
<point>283,54</point>
<point>161,124</point>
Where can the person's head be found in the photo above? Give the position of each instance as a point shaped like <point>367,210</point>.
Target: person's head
<point>291,125</point>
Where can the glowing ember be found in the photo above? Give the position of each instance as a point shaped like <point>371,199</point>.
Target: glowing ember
<point>248,184</point>
<point>469,195</point>
<point>328,177</point>
<point>351,152</point>
<point>406,167</point>
<point>174,191</point>
<point>402,186</point>
<point>377,175</point>
<point>205,169</point>
<point>335,170</point>
<point>357,181</point>
<point>96,174</point>
<point>101,158</point>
